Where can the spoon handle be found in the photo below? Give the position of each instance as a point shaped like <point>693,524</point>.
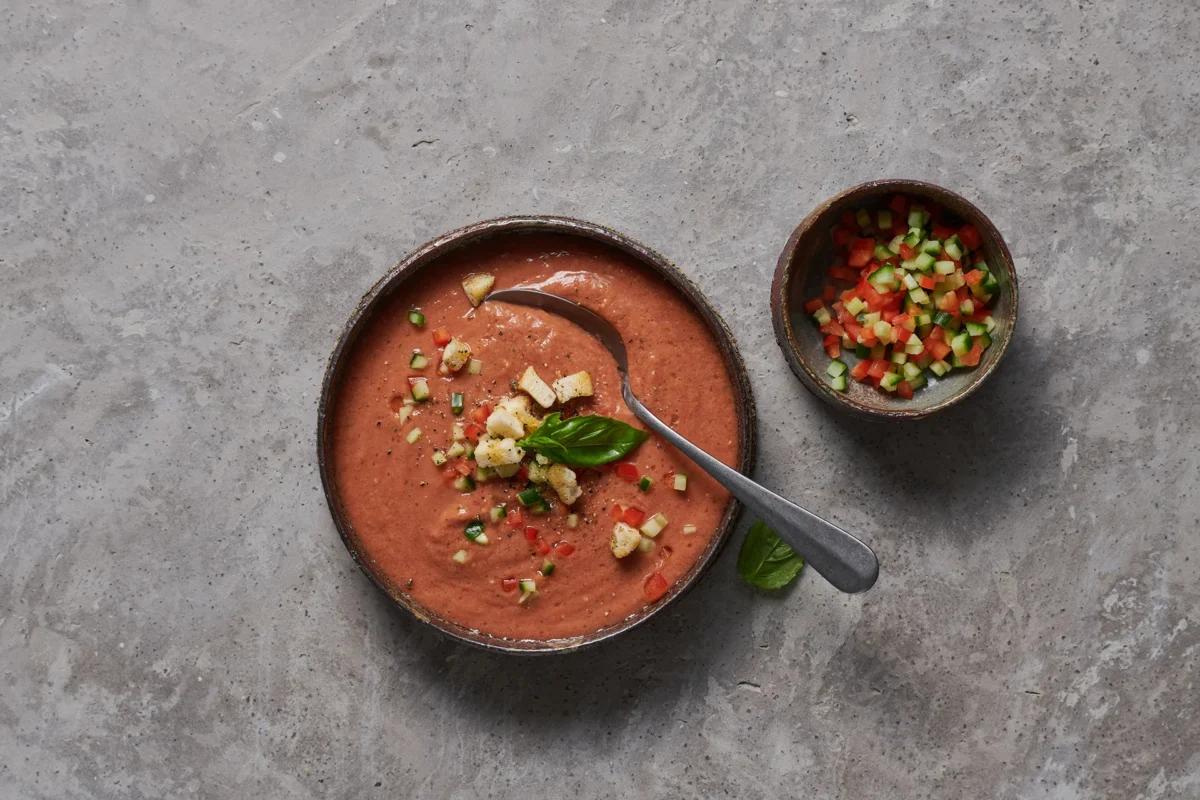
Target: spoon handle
<point>843,560</point>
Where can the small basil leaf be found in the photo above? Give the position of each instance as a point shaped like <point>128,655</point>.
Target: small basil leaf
<point>765,560</point>
<point>587,441</point>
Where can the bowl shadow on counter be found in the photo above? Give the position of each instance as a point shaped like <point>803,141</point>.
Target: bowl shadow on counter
<point>606,683</point>
<point>969,463</point>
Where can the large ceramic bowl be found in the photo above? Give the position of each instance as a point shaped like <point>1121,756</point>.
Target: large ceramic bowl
<point>428,256</point>
<point>799,276</point>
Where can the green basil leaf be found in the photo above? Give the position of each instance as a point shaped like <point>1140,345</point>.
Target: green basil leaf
<point>587,441</point>
<point>765,560</point>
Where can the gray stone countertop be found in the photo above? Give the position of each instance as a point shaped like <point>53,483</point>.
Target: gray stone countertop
<point>194,195</point>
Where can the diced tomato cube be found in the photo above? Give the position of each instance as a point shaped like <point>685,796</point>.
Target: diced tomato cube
<point>938,334</point>
<point>888,316</point>
<point>948,302</point>
<point>441,337</point>
<point>860,252</point>
<point>866,335</point>
<point>617,511</point>
<point>531,534</point>
<point>627,471</point>
<point>971,359</point>
<point>970,237</point>
<point>904,320</point>
<point>515,518</point>
<point>656,586</point>
<point>906,252</point>
<point>812,305</point>
<point>833,346</point>
<point>905,390</point>
<point>508,584</point>
<point>859,372</point>
<point>898,204</point>
<point>942,232</point>
<point>878,368</point>
<point>927,282</point>
<point>854,331</point>
<point>938,350</point>
<point>473,432</point>
<point>541,547</point>
<point>828,293</point>
<point>901,333</point>
<point>564,548</point>
<point>481,414</point>
<point>633,516</point>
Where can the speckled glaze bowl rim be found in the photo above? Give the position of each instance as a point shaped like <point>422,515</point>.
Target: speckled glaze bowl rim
<point>781,317</point>
<point>428,254</point>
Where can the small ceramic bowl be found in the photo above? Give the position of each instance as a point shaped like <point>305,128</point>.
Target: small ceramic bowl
<point>800,275</point>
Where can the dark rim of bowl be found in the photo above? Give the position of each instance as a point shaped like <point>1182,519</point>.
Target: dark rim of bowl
<point>429,253</point>
<point>785,334</point>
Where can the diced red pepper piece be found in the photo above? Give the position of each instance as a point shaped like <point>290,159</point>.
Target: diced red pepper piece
<point>473,432</point>
<point>833,346</point>
<point>859,372</point>
<point>828,293</point>
<point>508,584</point>
<point>969,236</point>
<point>971,359</point>
<point>541,547</point>
<point>948,302</point>
<point>441,337</point>
<point>901,333</point>
<point>942,232</point>
<point>927,282</point>
<point>905,390</point>
<point>812,305</point>
<point>938,350</point>
<point>633,516</point>
<point>515,518</point>
<point>938,334</point>
<point>564,548</point>
<point>481,414</point>
<point>656,586</point>
<point>878,368</point>
<point>531,534</point>
<point>627,471</point>
<point>617,511</point>
<point>833,328</point>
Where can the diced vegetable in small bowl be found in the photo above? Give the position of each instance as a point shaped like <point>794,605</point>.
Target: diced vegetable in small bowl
<point>894,299</point>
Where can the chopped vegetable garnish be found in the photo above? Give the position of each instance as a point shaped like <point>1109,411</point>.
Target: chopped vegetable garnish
<point>456,403</point>
<point>679,482</point>
<point>474,366</point>
<point>419,360</point>
<point>689,529</point>
<point>477,285</point>
<point>645,545</point>
<point>420,389</point>
<point>416,318</point>
<point>441,337</point>
<point>645,483</point>
<point>464,483</point>
<point>907,298</point>
<point>460,557</point>
<point>627,471</point>
<point>498,512</point>
<point>547,568</point>
<point>439,458</point>
<point>654,526</point>
<point>528,589</point>
<point>475,530</point>
<point>572,520</point>
<point>655,587</point>
<point>413,435</point>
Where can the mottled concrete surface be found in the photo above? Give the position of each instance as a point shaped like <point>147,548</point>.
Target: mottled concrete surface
<point>192,197</point>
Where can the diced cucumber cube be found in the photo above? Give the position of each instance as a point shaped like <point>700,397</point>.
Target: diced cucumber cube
<point>976,328</point>
<point>870,318</point>
<point>883,219</point>
<point>919,296</point>
<point>839,383</point>
<point>821,315</point>
<point>924,262</point>
<point>939,368</point>
<point>835,368</point>
<point>899,357</point>
<point>942,318</point>
<point>910,282</point>
<point>913,237</point>
<point>890,381</point>
<point>910,371</point>
<point>990,322</point>
<point>953,248</point>
<point>894,244</point>
<point>914,345</point>
<point>944,267</point>
<point>961,344</point>
<point>931,246</point>
<point>855,306</point>
<point>882,253</point>
<point>917,217</point>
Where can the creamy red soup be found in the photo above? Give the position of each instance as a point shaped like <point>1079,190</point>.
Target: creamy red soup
<point>460,539</point>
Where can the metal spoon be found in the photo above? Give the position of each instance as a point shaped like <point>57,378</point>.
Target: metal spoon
<point>843,560</point>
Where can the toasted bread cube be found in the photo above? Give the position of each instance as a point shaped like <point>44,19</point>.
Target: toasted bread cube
<point>477,285</point>
<point>505,425</point>
<point>536,388</point>
<point>625,539</point>
<point>518,406</point>
<point>493,452</point>
<point>456,355</point>
<point>562,479</point>
<point>568,387</point>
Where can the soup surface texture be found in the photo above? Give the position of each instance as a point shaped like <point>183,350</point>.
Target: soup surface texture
<point>409,514</point>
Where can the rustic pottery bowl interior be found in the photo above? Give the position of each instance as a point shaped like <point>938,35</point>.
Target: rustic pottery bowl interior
<point>799,277</point>
<point>428,256</point>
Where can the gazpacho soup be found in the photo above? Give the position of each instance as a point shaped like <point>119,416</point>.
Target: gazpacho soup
<point>486,465</point>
